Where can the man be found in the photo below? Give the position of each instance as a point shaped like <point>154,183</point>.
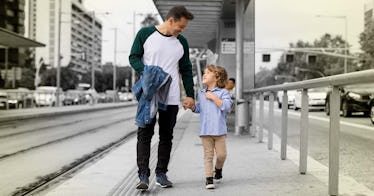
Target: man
<point>230,86</point>
<point>163,46</point>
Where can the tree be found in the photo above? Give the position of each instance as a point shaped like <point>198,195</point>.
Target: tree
<point>367,45</point>
<point>69,79</point>
<point>328,65</point>
<point>149,20</point>
<point>265,77</point>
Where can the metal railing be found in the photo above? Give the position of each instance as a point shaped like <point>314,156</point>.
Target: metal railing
<point>334,82</point>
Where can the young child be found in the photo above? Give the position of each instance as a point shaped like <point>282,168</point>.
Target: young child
<point>214,103</point>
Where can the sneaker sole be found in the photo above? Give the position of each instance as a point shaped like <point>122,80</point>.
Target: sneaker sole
<point>142,186</point>
<point>164,186</point>
<point>210,186</point>
<point>218,180</point>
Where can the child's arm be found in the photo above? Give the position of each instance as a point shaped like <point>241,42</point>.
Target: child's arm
<point>209,95</point>
<point>224,103</point>
<point>196,108</point>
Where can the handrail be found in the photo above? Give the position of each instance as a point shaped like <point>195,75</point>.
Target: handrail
<point>334,82</point>
<point>365,76</point>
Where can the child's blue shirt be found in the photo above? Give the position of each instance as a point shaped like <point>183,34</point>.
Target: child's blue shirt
<point>213,118</point>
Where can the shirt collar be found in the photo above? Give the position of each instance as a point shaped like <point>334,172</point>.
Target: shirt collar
<point>206,89</point>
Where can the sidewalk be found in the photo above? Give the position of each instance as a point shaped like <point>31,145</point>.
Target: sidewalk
<point>250,169</point>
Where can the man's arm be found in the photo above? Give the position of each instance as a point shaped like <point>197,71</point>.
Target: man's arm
<point>185,68</point>
<point>137,49</point>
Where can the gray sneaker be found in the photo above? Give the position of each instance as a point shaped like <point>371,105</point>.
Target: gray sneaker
<point>143,182</point>
<point>162,180</point>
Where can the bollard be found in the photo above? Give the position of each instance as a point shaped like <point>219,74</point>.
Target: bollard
<point>242,116</point>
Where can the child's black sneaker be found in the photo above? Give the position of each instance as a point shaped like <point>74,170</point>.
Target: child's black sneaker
<point>218,175</point>
<point>209,183</point>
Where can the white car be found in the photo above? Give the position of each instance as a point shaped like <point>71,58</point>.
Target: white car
<point>317,99</point>
<point>47,96</point>
<point>291,98</point>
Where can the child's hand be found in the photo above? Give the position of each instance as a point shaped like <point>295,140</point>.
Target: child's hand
<point>209,95</point>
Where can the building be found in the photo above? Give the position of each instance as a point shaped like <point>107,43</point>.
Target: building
<point>80,34</point>
<point>12,17</point>
<point>368,12</point>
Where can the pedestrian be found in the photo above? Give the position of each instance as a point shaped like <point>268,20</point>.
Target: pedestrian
<point>163,46</point>
<point>230,86</point>
<point>214,103</point>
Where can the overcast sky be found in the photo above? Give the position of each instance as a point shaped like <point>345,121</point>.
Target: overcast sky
<point>278,22</point>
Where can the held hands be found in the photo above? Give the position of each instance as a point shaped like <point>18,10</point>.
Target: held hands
<point>189,103</point>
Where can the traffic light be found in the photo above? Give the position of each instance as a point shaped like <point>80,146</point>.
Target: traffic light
<point>289,58</point>
<point>311,59</point>
<point>266,58</point>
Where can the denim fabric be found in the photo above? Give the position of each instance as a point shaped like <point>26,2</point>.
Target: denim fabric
<point>153,81</point>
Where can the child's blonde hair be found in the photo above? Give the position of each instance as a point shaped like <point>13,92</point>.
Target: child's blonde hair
<point>220,73</point>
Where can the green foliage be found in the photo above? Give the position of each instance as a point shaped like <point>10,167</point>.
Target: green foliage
<point>367,45</point>
<point>149,20</point>
<point>265,77</point>
<point>27,79</point>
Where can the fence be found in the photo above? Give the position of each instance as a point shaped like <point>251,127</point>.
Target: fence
<point>334,82</point>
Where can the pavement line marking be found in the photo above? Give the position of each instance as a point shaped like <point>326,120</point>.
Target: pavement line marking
<point>342,122</point>
<point>347,184</point>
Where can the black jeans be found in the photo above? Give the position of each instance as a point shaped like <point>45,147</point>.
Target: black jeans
<point>166,122</point>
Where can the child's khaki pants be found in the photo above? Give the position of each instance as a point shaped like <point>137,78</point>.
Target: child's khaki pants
<point>211,144</point>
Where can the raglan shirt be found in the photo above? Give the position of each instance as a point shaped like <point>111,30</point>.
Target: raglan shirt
<point>171,53</point>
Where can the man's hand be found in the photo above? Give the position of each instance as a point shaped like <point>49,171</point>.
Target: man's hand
<point>188,103</point>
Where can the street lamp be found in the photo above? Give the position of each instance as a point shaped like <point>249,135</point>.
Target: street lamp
<point>115,60</point>
<point>345,37</point>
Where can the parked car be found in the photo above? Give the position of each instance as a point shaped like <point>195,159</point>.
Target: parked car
<point>16,98</point>
<point>291,98</point>
<point>316,101</point>
<point>75,97</point>
<point>371,105</point>
<point>125,96</point>
<point>47,96</point>
<point>353,98</point>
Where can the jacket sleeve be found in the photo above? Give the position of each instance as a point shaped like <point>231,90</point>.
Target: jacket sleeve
<point>185,68</point>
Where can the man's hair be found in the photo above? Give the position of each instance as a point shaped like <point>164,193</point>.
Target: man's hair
<point>232,79</point>
<point>220,73</point>
<point>177,12</point>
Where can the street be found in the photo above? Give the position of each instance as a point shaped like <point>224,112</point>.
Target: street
<point>356,141</point>
<point>33,149</point>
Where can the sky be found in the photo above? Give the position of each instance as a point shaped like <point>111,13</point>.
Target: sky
<point>278,23</point>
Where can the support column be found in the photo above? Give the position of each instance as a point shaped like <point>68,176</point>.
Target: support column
<point>240,110</point>
<point>334,141</point>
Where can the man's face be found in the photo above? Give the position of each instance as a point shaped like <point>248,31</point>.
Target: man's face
<point>178,26</point>
<point>230,85</point>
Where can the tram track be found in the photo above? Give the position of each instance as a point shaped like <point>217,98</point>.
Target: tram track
<point>48,180</point>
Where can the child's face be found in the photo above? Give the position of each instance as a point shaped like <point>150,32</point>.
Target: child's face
<point>209,78</point>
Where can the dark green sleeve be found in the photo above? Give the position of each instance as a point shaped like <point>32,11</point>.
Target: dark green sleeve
<point>185,68</point>
<point>137,49</point>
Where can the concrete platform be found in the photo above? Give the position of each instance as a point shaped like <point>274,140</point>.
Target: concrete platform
<point>250,169</point>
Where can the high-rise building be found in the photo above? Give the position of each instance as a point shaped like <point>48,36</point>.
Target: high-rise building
<point>80,33</point>
<point>368,12</point>
<point>12,17</point>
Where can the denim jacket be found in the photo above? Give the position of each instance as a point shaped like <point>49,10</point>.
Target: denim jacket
<point>151,91</point>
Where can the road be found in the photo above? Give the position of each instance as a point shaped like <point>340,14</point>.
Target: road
<point>356,141</point>
<point>32,149</point>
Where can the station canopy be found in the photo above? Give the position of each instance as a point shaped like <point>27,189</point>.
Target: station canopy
<point>10,39</point>
<point>207,14</point>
